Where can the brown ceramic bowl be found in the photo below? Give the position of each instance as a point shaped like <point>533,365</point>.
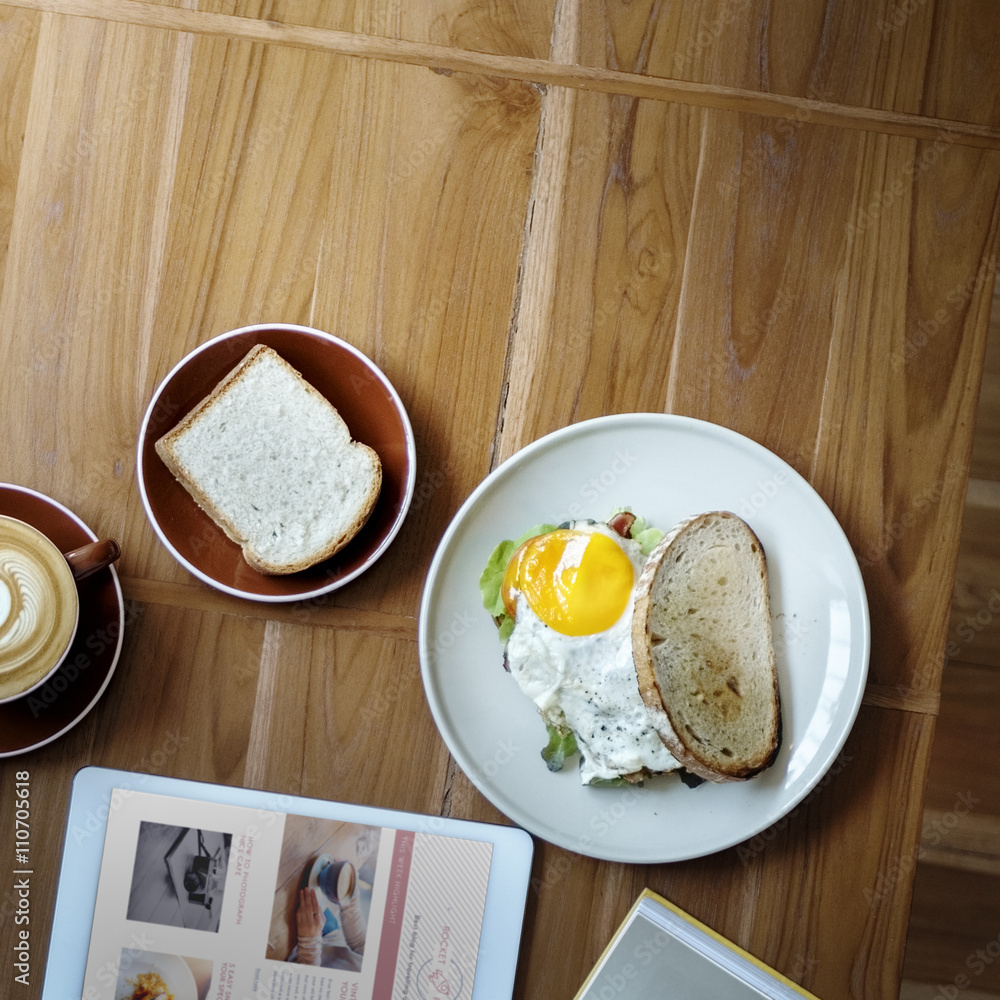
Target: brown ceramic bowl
<point>373,413</point>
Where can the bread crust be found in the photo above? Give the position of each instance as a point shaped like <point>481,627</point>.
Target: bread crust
<point>665,717</point>
<point>165,448</point>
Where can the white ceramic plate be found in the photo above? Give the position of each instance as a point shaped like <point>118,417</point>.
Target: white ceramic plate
<point>172,969</point>
<point>665,468</point>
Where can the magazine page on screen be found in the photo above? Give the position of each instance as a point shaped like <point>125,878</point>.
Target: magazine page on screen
<point>204,901</point>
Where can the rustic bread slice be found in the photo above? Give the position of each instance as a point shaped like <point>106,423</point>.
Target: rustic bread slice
<point>272,462</point>
<point>703,651</point>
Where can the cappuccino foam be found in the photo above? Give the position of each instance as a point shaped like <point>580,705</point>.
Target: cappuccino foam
<point>38,607</point>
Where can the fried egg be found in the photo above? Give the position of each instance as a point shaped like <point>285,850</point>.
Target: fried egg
<point>571,593</point>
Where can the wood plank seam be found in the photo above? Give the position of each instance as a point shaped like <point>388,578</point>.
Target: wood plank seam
<point>258,744</point>
<point>319,612</point>
<point>540,71</point>
<point>960,838</point>
<point>902,698</point>
<point>536,280</point>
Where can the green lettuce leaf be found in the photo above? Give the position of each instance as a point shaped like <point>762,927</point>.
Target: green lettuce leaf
<point>648,538</point>
<point>562,744</point>
<point>645,534</point>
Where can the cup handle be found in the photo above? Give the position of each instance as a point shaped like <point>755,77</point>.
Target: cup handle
<point>90,558</point>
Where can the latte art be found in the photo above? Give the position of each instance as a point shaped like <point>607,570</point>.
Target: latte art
<point>27,620</point>
<point>38,607</point>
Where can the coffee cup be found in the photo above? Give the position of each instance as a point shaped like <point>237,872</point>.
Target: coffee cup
<point>39,602</point>
<point>338,880</point>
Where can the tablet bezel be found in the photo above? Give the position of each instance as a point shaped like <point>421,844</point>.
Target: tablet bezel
<point>91,799</point>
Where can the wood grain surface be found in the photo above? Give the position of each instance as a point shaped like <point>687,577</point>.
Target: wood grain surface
<point>957,878</point>
<point>778,216</point>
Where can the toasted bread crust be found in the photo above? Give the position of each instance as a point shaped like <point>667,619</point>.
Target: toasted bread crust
<point>670,684</point>
<point>166,449</point>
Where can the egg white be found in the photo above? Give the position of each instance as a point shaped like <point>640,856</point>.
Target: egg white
<point>588,683</point>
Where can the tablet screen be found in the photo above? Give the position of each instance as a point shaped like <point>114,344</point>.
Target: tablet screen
<point>202,899</point>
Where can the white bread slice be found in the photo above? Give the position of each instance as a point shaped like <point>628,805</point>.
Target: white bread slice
<point>703,650</point>
<point>272,462</point>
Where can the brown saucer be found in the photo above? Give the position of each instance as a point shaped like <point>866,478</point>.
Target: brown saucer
<point>49,711</point>
<point>373,413</point>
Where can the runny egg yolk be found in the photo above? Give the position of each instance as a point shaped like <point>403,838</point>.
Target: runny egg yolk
<point>577,582</point>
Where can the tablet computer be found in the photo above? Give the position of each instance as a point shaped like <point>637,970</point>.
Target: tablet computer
<point>172,889</point>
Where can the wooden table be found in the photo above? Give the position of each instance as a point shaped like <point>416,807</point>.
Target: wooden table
<point>779,217</point>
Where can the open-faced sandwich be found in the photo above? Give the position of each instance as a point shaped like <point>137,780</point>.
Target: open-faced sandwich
<point>646,653</point>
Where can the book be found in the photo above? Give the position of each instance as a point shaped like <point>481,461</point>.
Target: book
<point>659,947</point>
